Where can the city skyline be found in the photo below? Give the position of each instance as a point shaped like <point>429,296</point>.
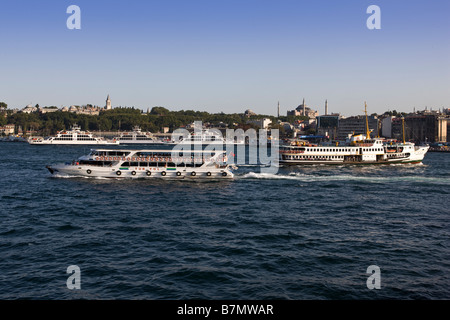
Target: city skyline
<point>227,56</point>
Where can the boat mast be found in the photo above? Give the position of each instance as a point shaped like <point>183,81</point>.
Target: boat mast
<point>367,121</point>
<point>403,129</point>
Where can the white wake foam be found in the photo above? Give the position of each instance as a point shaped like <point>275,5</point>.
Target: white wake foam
<point>344,177</point>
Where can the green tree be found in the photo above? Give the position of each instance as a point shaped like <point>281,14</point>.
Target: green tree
<point>159,111</point>
<point>3,105</point>
<point>105,124</point>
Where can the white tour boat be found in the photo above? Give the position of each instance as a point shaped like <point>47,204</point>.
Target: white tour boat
<point>206,137</point>
<point>148,164</point>
<point>137,137</point>
<point>74,136</point>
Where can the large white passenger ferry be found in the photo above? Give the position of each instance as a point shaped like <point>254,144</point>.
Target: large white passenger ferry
<point>74,136</point>
<point>148,164</point>
<point>137,137</point>
<point>359,151</point>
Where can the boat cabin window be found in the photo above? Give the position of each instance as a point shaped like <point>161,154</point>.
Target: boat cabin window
<point>130,164</point>
<point>95,163</point>
<point>103,153</point>
<point>118,153</point>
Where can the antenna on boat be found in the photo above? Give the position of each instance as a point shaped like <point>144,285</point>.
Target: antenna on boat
<point>367,121</point>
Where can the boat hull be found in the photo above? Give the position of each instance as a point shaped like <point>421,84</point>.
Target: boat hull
<point>145,142</point>
<point>72,143</point>
<point>298,162</point>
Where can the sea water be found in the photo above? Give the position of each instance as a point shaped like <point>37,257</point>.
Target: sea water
<point>305,232</point>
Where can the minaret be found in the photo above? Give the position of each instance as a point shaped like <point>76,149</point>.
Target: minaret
<point>304,107</point>
<point>108,103</point>
<point>326,107</point>
<point>278,109</point>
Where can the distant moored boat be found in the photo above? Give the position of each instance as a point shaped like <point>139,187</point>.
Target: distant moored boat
<point>72,137</point>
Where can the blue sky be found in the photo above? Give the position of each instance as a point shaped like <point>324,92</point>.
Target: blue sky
<point>227,56</point>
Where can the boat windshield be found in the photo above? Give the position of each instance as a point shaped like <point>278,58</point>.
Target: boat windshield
<point>112,153</point>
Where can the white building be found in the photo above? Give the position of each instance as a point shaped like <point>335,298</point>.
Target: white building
<point>263,123</point>
<point>7,130</point>
<point>29,109</point>
<point>386,127</point>
<point>47,110</point>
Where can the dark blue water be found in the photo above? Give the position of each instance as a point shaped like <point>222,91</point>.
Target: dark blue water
<point>305,233</point>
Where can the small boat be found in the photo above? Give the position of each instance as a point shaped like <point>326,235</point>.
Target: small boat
<point>206,137</point>
<point>137,137</point>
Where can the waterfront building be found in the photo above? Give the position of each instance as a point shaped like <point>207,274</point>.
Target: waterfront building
<point>448,130</point>
<point>386,126</point>
<point>422,127</point>
<point>356,125</point>
<point>327,125</point>
<point>7,129</point>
